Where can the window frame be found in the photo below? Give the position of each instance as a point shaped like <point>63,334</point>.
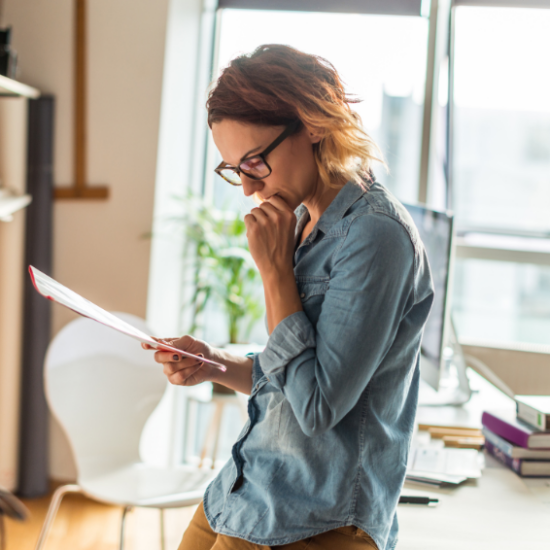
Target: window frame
<point>495,353</point>
<point>464,249</point>
<point>504,3</point>
<point>379,7</point>
<point>440,56</point>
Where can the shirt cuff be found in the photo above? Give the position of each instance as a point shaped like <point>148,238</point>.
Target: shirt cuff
<point>257,373</point>
<point>291,337</point>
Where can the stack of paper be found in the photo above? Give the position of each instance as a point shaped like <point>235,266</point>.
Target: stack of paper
<point>438,466</point>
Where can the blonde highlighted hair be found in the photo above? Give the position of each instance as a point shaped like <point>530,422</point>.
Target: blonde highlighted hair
<point>275,85</point>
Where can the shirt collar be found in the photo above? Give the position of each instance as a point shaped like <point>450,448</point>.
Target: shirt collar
<point>347,196</point>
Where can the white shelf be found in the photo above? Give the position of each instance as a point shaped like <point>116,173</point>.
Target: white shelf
<point>11,203</point>
<point>13,87</point>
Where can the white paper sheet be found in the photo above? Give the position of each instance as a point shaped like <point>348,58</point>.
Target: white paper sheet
<point>51,289</point>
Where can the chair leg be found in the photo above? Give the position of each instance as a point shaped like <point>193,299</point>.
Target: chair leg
<point>122,525</point>
<point>243,408</point>
<point>210,432</point>
<point>162,538</point>
<point>52,511</point>
<point>218,423</point>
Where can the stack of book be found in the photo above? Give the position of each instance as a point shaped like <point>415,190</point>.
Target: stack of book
<point>522,442</point>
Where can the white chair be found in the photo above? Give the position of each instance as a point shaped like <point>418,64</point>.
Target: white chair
<point>102,386</point>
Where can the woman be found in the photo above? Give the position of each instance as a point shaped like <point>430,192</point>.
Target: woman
<point>321,462</point>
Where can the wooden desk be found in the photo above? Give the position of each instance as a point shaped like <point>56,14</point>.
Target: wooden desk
<point>499,511</point>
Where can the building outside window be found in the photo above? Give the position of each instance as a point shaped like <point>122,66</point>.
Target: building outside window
<point>501,173</point>
<point>382,60</point>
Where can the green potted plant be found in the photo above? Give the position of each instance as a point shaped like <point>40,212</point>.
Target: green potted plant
<point>222,269</point>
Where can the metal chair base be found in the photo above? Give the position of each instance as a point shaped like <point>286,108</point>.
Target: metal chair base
<point>57,497</point>
<point>56,503</point>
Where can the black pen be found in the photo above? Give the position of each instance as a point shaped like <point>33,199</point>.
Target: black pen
<point>418,500</point>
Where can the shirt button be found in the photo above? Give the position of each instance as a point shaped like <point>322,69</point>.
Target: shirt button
<point>303,295</point>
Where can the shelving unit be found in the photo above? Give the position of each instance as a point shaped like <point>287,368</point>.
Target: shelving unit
<point>10,201</point>
<point>14,98</point>
<point>11,87</point>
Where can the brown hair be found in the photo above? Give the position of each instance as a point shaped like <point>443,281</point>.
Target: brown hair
<point>278,84</point>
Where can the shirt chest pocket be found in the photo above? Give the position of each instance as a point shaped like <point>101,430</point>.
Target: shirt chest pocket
<point>312,291</point>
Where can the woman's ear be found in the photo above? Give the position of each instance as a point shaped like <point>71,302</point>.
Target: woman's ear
<point>314,138</point>
<point>313,134</point>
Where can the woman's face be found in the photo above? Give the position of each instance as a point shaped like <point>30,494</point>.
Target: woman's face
<point>294,176</point>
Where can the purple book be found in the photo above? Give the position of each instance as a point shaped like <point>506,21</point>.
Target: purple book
<point>515,431</point>
<point>525,468</point>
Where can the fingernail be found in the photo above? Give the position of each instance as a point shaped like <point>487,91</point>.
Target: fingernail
<point>175,357</point>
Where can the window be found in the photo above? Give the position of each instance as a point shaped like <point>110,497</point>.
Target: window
<point>501,172</point>
<point>382,59</point>
<point>502,301</point>
<point>502,119</point>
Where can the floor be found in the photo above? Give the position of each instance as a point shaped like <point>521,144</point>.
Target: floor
<point>83,524</point>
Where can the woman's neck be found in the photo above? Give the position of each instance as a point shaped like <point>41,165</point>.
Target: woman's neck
<point>319,202</point>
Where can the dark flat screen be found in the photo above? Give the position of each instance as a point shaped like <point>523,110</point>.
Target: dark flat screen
<point>435,229</point>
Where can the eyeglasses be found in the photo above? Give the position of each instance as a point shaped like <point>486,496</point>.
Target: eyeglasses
<point>255,167</point>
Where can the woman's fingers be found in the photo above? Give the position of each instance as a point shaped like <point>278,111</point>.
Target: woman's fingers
<point>185,377</point>
<point>256,215</point>
<point>170,369</point>
<point>168,341</point>
<point>181,343</point>
<point>267,214</point>
<point>179,368</point>
<point>171,357</point>
<point>269,210</point>
<point>277,210</point>
<point>280,204</point>
<point>162,356</point>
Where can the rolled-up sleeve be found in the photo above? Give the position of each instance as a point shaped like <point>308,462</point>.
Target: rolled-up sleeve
<point>323,369</point>
<point>291,337</point>
<point>257,373</point>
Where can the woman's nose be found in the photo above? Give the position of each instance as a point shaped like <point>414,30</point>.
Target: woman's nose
<point>251,186</point>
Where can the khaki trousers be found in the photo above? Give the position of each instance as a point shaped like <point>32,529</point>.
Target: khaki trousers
<point>199,536</point>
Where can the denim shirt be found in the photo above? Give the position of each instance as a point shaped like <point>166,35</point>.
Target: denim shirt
<point>335,391</point>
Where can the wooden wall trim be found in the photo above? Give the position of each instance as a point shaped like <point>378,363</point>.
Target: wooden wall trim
<point>80,189</point>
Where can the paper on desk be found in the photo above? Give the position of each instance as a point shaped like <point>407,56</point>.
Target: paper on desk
<point>435,479</point>
<point>444,465</point>
<point>51,289</point>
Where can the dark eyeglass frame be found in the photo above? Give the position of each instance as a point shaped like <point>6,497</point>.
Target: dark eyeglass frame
<point>290,129</point>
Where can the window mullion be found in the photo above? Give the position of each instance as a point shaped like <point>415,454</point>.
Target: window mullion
<point>469,251</point>
<point>430,161</point>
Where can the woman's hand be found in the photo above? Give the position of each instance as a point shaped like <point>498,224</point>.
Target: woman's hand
<point>186,371</point>
<point>181,370</point>
<point>270,232</point>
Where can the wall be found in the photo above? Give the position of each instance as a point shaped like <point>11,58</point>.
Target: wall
<point>13,144</point>
<point>98,246</point>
